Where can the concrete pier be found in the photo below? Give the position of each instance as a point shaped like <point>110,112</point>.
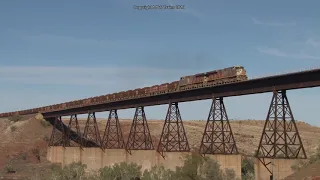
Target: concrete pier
<point>95,158</point>
<point>281,168</point>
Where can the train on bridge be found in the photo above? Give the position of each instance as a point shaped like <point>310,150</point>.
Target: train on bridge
<point>208,79</point>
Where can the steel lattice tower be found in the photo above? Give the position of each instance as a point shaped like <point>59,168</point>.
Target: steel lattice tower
<point>73,126</point>
<point>58,137</point>
<point>139,136</point>
<point>280,138</point>
<point>91,130</point>
<point>113,138</point>
<point>173,137</point>
<point>218,137</point>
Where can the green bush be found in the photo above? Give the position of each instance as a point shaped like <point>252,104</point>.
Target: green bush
<point>45,123</point>
<point>36,152</point>
<point>23,156</point>
<point>74,171</point>
<point>211,170</point>
<point>9,169</point>
<point>247,168</point>
<point>46,138</point>
<point>229,174</point>
<point>15,118</point>
<point>13,128</point>
<point>158,173</point>
<point>121,171</point>
<point>195,168</point>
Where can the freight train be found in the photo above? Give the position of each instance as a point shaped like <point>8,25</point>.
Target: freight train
<point>208,79</point>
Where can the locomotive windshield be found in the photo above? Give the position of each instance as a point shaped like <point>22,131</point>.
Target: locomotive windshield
<point>238,67</point>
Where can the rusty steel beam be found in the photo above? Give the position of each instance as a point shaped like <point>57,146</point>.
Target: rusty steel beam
<point>173,137</point>
<point>139,136</point>
<point>72,135</point>
<point>269,84</point>
<point>218,137</point>
<point>91,130</point>
<point>113,138</point>
<point>280,138</point>
<point>58,134</point>
<point>73,126</point>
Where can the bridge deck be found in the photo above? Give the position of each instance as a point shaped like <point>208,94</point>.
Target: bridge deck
<point>297,80</point>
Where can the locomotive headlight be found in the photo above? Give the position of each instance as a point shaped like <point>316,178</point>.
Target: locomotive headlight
<point>239,71</point>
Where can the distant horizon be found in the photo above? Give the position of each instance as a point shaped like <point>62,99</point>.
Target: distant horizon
<point>205,120</point>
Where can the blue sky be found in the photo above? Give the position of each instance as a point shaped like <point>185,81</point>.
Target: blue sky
<point>55,51</point>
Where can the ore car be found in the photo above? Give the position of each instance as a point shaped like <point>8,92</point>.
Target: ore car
<point>86,101</point>
<point>106,97</point>
<point>211,78</point>
<point>63,106</point>
<point>163,88</point>
<point>122,95</point>
<point>130,94</point>
<point>114,96</point>
<point>75,103</point>
<point>68,104</point>
<point>3,114</point>
<point>139,92</point>
<point>98,99</point>
<point>94,100</point>
<point>146,90</point>
<point>78,103</point>
<point>103,98</point>
<point>173,86</point>
<point>154,90</point>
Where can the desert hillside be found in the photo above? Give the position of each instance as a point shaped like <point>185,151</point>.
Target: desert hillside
<point>21,140</point>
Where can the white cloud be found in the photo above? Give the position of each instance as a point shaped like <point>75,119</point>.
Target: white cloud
<point>279,53</point>
<point>313,42</point>
<point>55,39</point>
<point>273,24</point>
<point>88,75</point>
<point>68,40</point>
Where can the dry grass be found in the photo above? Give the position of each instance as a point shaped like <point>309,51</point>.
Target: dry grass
<point>30,133</point>
<point>247,133</point>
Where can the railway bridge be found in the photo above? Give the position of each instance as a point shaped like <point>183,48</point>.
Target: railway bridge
<point>280,142</point>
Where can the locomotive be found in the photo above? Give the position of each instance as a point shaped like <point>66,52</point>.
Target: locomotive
<point>208,79</point>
